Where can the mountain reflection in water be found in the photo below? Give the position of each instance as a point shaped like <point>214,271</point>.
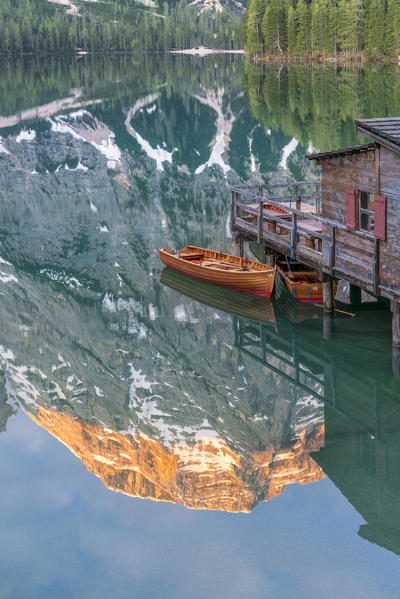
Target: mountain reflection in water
<point>164,388</point>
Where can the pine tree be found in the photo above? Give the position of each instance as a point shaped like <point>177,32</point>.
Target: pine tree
<point>254,37</point>
<point>274,27</point>
<point>291,29</point>
<point>303,41</point>
<point>351,22</point>
<point>374,40</point>
<point>317,33</point>
<point>392,29</point>
<point>332,29</point>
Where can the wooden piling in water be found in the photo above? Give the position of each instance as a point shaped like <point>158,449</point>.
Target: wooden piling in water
<point>327,325</point>
<point>270,257</point>
<point>239,247</point>
<point>395,306</point>
<point>327,289</point>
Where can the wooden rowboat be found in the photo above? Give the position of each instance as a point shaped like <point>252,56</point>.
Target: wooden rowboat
<point>301,281</point>
<point>221,269</point>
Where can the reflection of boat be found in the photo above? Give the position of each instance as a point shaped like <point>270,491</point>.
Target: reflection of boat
<point>239,304</point>
<point>300,280</point>
<point>221,269</point>
<point>297,312</point>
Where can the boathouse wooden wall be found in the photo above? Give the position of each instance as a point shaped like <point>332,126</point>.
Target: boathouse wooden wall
<point>376,171</point>
<point>390,188</point>
<point>353,255</point>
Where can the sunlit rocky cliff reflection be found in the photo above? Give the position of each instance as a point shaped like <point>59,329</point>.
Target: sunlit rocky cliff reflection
<point>203,475</point>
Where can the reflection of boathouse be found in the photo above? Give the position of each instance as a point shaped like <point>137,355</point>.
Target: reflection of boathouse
<point>347,230</point>
<point>361,412</point>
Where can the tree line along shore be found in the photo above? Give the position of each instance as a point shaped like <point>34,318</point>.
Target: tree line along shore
<point>345,30</point>
<point>348,29</point>
<point>36,26</point>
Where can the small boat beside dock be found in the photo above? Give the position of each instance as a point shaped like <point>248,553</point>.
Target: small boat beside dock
<point>224,270</point>
<point>302,282</point>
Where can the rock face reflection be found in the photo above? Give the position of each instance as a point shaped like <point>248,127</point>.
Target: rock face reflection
<point>144,385</point>
<point>204,475</point>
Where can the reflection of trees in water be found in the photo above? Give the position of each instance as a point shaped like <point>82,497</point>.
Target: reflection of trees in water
<point>318,104</point>
<point>32,81</point>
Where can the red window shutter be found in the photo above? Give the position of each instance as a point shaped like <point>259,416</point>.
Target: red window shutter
<point>380,217</point>
<point>350,208</point>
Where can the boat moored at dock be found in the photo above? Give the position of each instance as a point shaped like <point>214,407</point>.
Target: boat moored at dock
<point>302,282</point>
<point>221,269</point>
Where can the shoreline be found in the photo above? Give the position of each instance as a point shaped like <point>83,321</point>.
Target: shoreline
<point>340,59</point>
<point>200,51</point>
<point>203,51</point>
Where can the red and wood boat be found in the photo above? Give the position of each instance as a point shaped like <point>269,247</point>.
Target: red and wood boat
<point>221,269</point>
<point>301,281</point>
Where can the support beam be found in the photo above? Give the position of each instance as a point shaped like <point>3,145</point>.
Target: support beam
<point>395,323</point>
<point>355,294</point>
<point>327,289</point>
<point>270,257</point>
<point>327,325</point>
<point>396,362</point>
<point>239,247</point>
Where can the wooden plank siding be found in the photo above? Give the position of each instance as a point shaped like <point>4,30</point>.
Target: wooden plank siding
<point>353,255</point>
<point>360,171</point>
<point>355,171</point>
<point>390,249</point>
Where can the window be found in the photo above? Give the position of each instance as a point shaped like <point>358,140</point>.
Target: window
<point>366,211</point>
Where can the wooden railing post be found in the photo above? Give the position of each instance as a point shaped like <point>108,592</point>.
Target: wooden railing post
<point>232,211</point>
<point>294,234</point>
<point>318,200</point>
<point>298,197</point>
<point>260,221</point>
<point>237,207</point>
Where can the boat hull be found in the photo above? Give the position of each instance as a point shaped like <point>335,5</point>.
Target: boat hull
<point>304,291</point>
<point>259,280</point>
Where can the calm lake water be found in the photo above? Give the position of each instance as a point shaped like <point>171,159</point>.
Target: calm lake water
<point>161,439</point>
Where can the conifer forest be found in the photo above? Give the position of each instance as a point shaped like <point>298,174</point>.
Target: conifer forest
<point>323,28</point>
<point>37,26</point>
<point>306,28</point>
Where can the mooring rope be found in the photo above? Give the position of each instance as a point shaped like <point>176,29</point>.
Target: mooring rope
<point>292,246</point>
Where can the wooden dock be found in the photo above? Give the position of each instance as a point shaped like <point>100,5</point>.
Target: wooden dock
<point>303,233</point>
<point>346,227</point>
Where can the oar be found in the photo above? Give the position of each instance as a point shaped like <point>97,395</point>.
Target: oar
<point>337,310</point>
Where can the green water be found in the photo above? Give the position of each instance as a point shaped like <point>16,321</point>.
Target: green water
<point>160,437</point>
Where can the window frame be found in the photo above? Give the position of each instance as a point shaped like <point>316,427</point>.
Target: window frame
<point>365,211</point>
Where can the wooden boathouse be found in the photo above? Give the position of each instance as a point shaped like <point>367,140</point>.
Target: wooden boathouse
<point>347,226</point>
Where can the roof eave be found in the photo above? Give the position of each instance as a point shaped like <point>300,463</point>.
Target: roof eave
<point>341,152</point>
<point>377,138</point>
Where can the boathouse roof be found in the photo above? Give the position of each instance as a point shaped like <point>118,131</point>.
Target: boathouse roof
<point>341,151</point>
<point>385,132</point>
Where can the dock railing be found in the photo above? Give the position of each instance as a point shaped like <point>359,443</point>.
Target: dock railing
<point>293,225</point>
